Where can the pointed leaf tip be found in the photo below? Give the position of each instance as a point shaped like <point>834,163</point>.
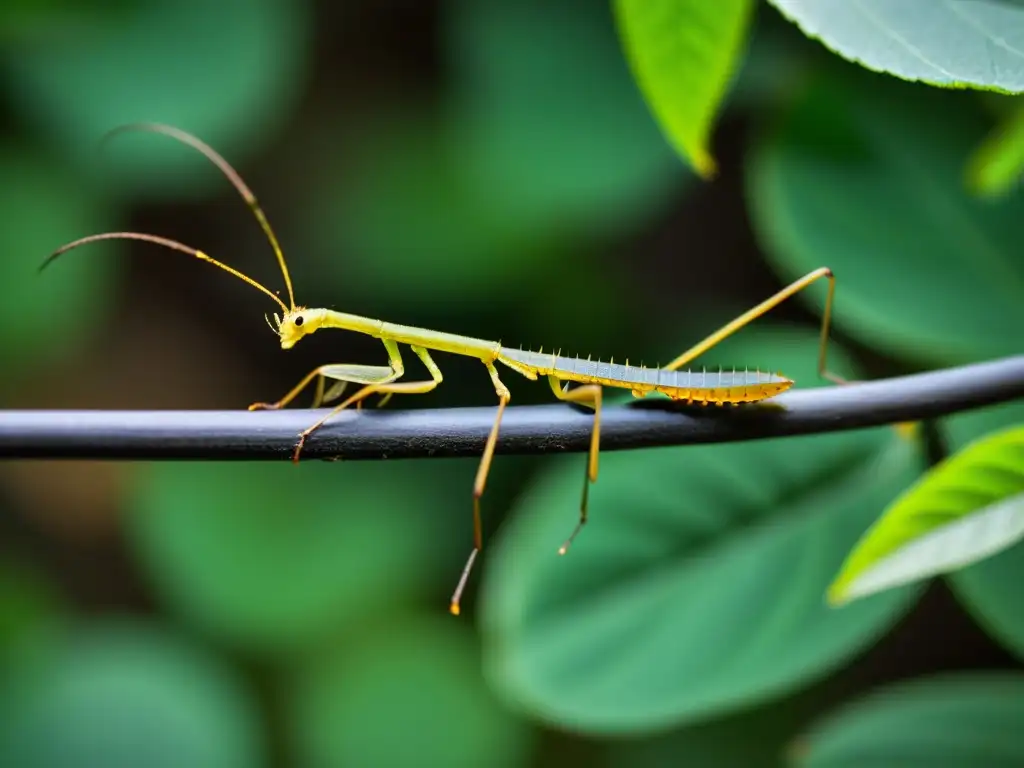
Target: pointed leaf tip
<point>683,54</point>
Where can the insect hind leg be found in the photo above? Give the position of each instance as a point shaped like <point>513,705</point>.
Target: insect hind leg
<point>589,395</point>
<point>766,306</point>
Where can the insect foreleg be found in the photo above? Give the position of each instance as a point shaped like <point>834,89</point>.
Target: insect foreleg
<point>589,395</point>
<point>481,481</point>
<point>342,373</point>
<point>386,385</point>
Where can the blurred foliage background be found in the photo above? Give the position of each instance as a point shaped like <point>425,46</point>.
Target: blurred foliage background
<point>484,167</point>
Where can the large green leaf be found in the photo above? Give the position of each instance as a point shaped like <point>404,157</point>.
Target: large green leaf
<point>961,720</point>
<point>683,54</point>
<point>270,557</point>
<point>123,694</point>
<point>403,692</point>
<point>967,508</point>
<point>228,71</point>
<point>865,174</point>
<point>950,44</point>
<point>698,585</point>
<point>45,317</point>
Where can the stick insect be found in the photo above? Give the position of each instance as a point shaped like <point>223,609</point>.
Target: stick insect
<point>591,376</point>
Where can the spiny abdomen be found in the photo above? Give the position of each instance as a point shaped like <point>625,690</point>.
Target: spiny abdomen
<point>696,386</point>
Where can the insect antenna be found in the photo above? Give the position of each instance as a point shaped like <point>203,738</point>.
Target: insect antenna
<point>159,241</point>
<point>232,175</point>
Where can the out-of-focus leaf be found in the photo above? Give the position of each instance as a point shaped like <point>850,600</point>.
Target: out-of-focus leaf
<point>22,21</point>
<point>548,118</point>
<point>865,174</point>
<point>774,60</point>
<point>966,509</point>
<point>44,316</point>
<point>753,738</point>
<point>407,692</point>
<point>996,165</point>
<point>957,720</point>
<point>123,694</point>
<point>227,71</point>
<point>950,44</point>
<point>270,557</point>
<point>683,54</point>
<point>414,226</point>
<point>698,585</point>
<point>30,616</point>
<point>989,591</point>
<point>966,427</point>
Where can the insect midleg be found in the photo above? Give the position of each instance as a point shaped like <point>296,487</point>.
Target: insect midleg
<point>589,395</point>
<point>480,483</point>
<point>765,306</point>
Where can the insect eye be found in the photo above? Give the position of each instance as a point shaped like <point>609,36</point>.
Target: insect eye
<point>299,321</point>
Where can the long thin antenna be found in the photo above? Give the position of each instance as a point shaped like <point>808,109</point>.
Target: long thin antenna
<point>159,241</point>
<point>231,174</point>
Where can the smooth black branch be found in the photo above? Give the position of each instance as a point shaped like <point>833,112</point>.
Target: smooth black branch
<point>375,434</point>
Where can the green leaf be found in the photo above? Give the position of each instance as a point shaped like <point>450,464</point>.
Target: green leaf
<point>406,692</point>
<point>988,589</point>
<point>697,587</point>
<point>865,175</point>
<point>949,44</point>
<point>996,165</point>
<point>45,317</point>
<point>960,720</point>
<point>683,54</point>
<point>127,694</point>
<point>231,79</point>
<point>270,557</point>
<point>965,509</point>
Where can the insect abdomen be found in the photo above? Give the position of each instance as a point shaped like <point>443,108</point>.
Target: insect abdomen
<point>696,386</point>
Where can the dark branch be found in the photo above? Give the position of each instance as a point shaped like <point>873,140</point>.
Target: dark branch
<point>374,434</point>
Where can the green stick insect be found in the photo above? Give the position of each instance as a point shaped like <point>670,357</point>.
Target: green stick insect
<point>296,322</point>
